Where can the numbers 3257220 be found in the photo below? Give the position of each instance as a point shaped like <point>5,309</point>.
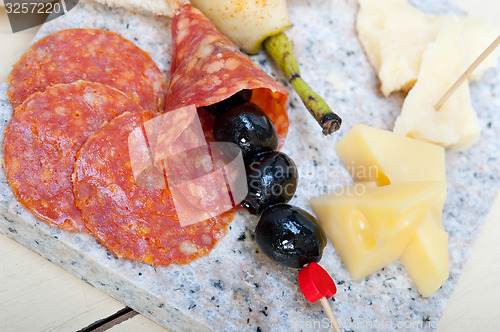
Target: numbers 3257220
<point>34,7</point>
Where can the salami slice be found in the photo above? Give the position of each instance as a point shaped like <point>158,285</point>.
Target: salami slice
<point>92,55</point>
<point>43,138</point>
<point>132,221</point>
<point>208,68</point>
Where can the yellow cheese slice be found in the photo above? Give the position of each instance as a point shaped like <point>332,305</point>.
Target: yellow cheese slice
<point>371,226</point>
<point>372,154</point>
<point>455,125</point>
<point>426,257</point>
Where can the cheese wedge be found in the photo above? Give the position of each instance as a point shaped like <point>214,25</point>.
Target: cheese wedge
<point>478,34</point>
<point>455,125</point>
<point>373,154</point>
<point>395,35</point>
<point>426,257</point>
<point>371,226</point>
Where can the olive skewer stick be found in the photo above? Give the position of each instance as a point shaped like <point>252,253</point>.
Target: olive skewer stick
<point>467,73</point>
<point>329,313</point>
<point>317,285</point>
<point>280,48</point>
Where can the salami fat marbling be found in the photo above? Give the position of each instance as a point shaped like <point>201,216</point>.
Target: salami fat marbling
<point>132,221</point>
<point>92,55</point>
<point>42,140</point>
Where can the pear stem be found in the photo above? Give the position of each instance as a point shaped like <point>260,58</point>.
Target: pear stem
<point>280,48</point>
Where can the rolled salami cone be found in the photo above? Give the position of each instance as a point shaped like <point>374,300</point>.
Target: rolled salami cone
<point>208,68</point>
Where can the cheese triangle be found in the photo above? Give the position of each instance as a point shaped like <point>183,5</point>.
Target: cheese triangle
<point>370,226</point>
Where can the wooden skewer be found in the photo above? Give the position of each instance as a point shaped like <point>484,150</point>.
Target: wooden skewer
<point>468,72</point>
<point>329,313</point>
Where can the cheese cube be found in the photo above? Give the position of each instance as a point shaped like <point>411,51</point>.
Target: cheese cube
<point>426,256</point>
<point>455,124</point>
<point>371,226</point>
<point>372,154</point>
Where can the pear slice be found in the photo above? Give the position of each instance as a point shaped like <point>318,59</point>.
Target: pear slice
<point>246,23</point>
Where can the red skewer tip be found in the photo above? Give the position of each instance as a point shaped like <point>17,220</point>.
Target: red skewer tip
<point>315,283</point>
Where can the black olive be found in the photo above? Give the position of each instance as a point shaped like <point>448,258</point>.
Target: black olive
<point>223,106</point>
<point>290,236</point>
<point>271,179</point>
<point>248,127</point>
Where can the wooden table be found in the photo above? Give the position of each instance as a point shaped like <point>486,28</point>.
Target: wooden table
<point>36,295</point>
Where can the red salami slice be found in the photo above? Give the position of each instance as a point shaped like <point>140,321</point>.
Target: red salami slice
<point>208,68</point>
<point>92,55</point>
<point>132,221</point>
<point>43,138</point>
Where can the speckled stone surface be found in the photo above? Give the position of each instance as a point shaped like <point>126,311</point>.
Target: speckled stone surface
<point>235,288</point>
